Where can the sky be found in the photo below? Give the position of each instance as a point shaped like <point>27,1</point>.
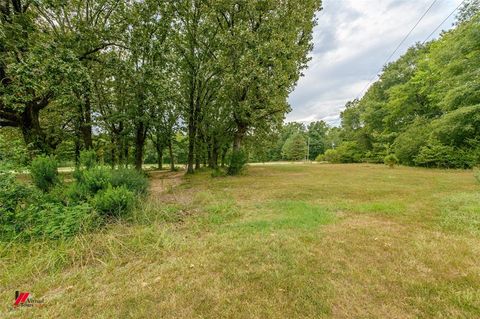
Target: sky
<point>352,40</point>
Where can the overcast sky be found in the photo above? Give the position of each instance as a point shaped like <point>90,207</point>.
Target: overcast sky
<point>352,41</point>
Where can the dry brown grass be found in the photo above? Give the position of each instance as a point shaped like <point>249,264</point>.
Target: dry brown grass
<point>290,241</point>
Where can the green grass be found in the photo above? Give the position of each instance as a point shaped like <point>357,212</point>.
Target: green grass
<point>281,241</point>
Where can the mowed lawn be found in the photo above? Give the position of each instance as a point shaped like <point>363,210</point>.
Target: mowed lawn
<point>281,241</point>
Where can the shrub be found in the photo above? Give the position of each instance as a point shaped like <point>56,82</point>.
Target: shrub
<point>88,159</point>
<point>11,192</point>
<point>76,193</point>
<point>54,220</point>
<point>131,179</point>
<point>444,156</point>
<point>476,173</point>
<point>13,196</point>
<point>407,144</point>
<point>26,213</point>
<point>95,179</point>
<point>320,158</point>
<point>114,201</point>
<point>238,159</point>
<point>44,172</point>
<point>331,156</point>
<point>391,160</point>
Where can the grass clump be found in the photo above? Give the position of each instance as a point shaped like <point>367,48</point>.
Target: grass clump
<point>114,201</point>
<point>390,160</point>
<point>44,172</point>
<point>130,179</point>
<point>461,213</point>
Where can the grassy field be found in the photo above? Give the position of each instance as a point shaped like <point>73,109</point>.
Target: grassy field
<point>285,241</point>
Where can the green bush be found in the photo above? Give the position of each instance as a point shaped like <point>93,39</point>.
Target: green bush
<point>44,172</point>
<point>444,156</point>
<point>13,196</point>
<point>76,193</point>
<point>26,212</point>
<point>88,159</point>
<point>114,201</point>
<point>320,158</point>
<point>407,144</point>
<point>238,159</point>
<point>95,179</point>
<point>55,220</point>
<point>331,156</point>
<point>131,179</point>
<point>11,193</point>
<point>476,173</point>
<point>391,160</point>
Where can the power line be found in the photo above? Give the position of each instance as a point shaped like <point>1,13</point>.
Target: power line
<point>398,47</point>
<point>433,32</point>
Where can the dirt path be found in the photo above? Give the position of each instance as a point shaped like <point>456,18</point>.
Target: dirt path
<point>162,181</point>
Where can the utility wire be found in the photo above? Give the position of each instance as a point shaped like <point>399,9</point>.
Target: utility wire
<point>433,32</point>
<point>399,45</point>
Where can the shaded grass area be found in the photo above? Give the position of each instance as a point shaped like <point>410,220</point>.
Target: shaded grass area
<point>289,241</point>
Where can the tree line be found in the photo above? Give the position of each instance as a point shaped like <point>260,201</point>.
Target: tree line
<point>423,111</point>
<point>80,74</point>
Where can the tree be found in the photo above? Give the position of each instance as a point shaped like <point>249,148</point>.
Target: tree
<point>317,134</point>
<point>264,48</point>
<point>295,148</point>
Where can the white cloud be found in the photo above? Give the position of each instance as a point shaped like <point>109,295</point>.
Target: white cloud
<point>352,40</point>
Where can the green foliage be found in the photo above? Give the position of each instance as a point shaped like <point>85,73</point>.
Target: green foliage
<point>408,144</point>
<point>114,201</point>
<point>347,152</point>
<point>295,148</point>
<point>426,105</point>
<point>27,213</point>
<point>238,159</point>
<point>443,156</point>
<point>320,158</point>
<point>96,179</point>
<point>317,133</point>
<point>88,159</point>
<point>44,172</point>
<point>12,194</point>
<point>54,220</point>
<point>131,179</point>
<point>331,155</point>
<point>391,160</point>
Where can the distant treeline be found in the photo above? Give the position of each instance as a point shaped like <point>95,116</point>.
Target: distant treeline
<point>424,109</point>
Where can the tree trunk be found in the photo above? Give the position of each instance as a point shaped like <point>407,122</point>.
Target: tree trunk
<point>77,152</point>
<point>214,158</point>
<point>224,156</point>
<point>159,156</point>
<point>192,129</point>
<point>238,137</point>
<point>172,160</point>
<point>86,126</point>
<point>140,135</point>
<point>33,134</point>
<point>197,160</point>
<point>112,151</point>
<point>125,152</point>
